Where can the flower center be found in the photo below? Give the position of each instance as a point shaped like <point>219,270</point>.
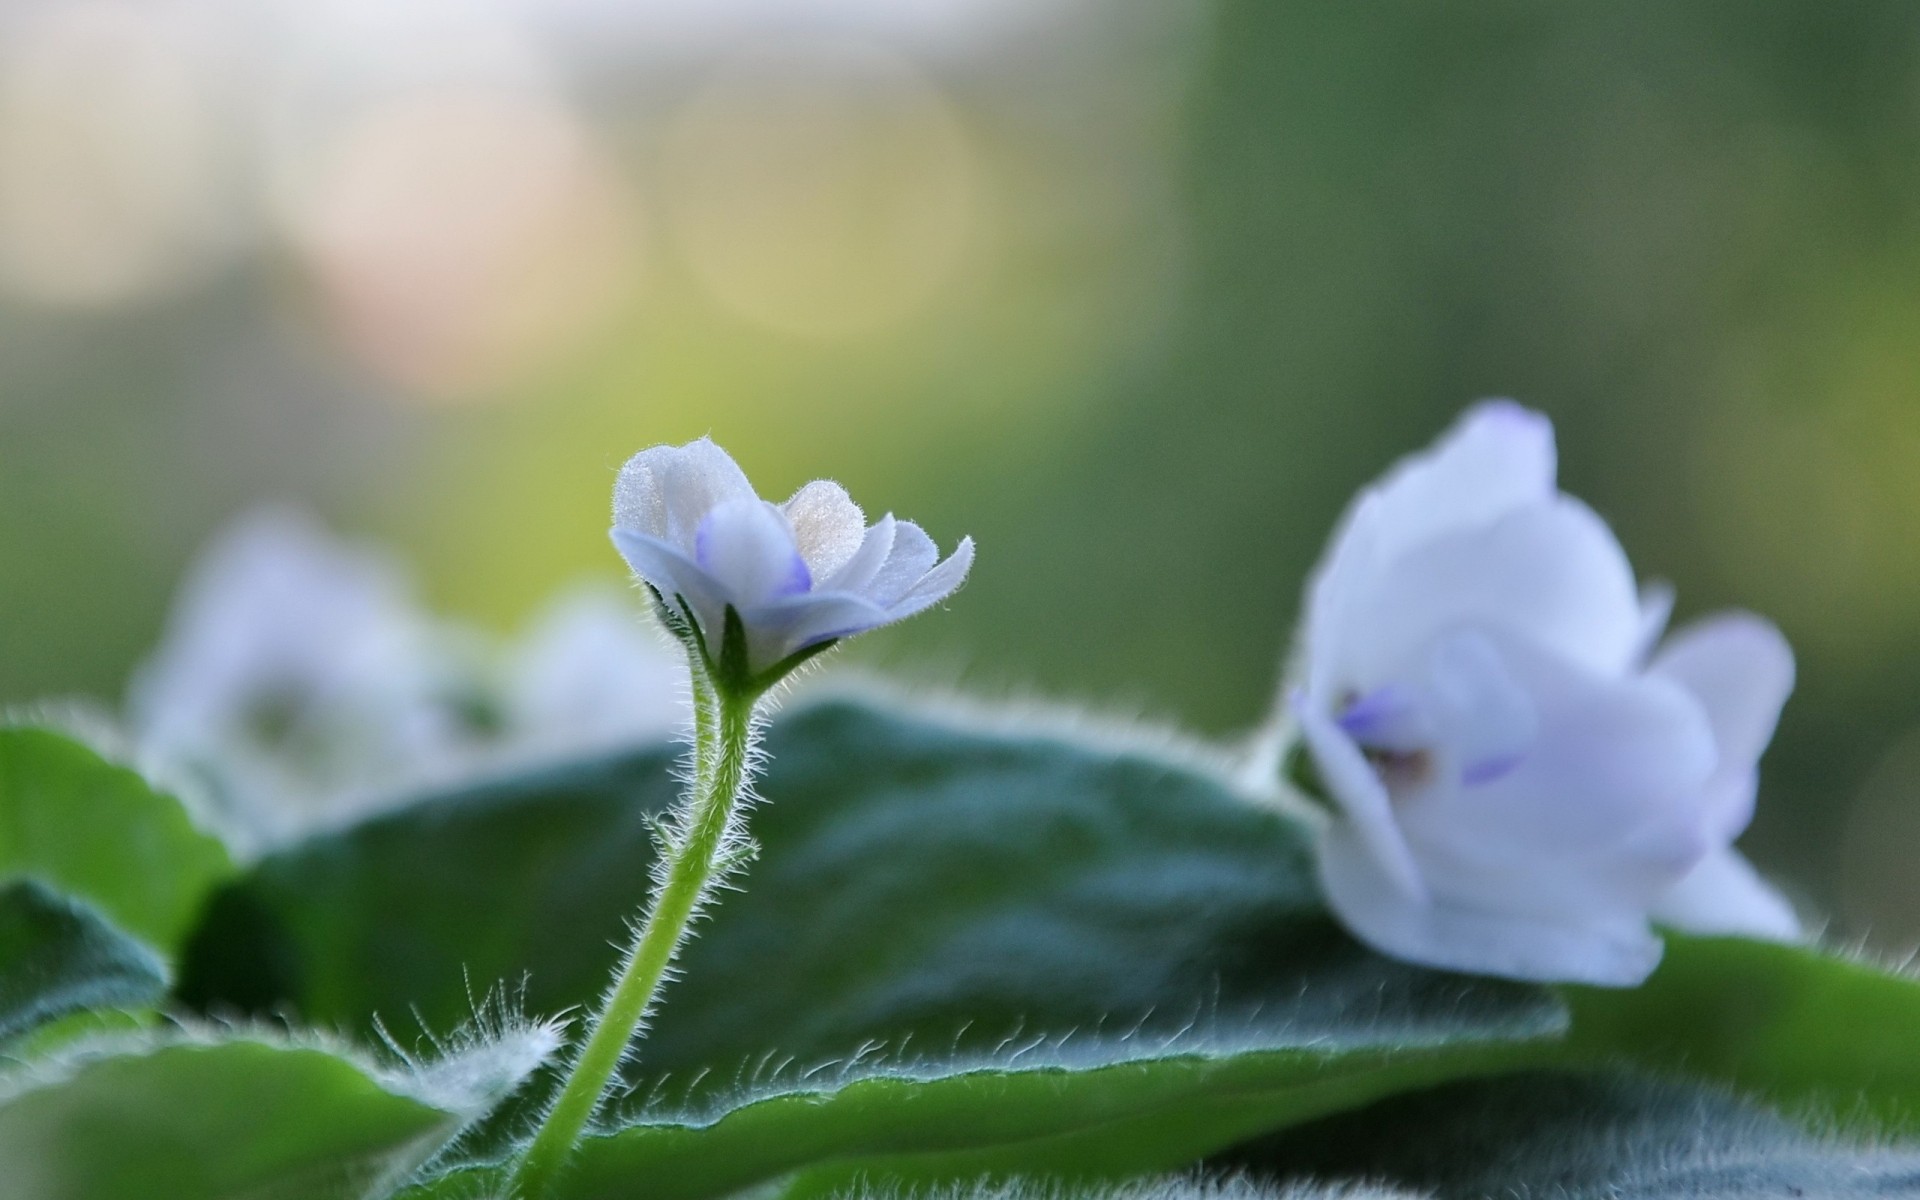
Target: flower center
<point>1408,734</point>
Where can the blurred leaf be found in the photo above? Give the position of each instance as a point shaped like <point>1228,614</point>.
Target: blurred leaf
<point>209,1121</point>
<point>1579,1137</point>
<point>98,832</point>
<point>1803,1028</point>
<point>952,942</point>
<point>58,957</point>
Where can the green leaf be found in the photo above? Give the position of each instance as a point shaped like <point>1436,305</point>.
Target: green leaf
<point>1579,1137</point>
<point>204,1121</point>
<point>99,833</point>
<point>1795,1025</point>
<point>988,948</point>
<point>58,957</point>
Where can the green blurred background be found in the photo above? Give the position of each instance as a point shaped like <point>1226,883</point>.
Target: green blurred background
<point>1135,294</point>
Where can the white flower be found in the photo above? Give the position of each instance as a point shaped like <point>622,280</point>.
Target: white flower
<point>593,675</point>
<point>800,575</point>
<point>297,679</point>
<point>1521,788</point>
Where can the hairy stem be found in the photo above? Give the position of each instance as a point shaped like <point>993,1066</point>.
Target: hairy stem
<point>723,744</point>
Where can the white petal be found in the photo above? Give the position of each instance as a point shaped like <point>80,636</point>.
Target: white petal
<point>1364,806</point>
<point>1604,811</point>
<point>858,572</point>
<point>1741,669</point>
<point>1614,950</point>
<point>666,491</point>
<point>909,559</point>
<point>1725,895</point>
<point>748,546</point>
<point>791,625</point>
<point>1551,572</point>
<point>827,526</point>
<point>1496,458</point>
<point>1656,609</point>
<point>937,584</point>
<point>1479,711</point>
<point>672,573</point>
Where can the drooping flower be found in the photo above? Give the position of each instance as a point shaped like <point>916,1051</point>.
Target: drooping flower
<point>1521,784</point>
<point>796,576</point>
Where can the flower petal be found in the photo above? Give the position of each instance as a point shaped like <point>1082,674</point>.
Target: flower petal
<point>793,624</point>
<point>1615,950</point>
<point>672,573</point>
<point>937,584</point>
<point>909,559</point>
<point>1496,458</point>
<point>666,491</point>
<point>828,526</point>
<point>1603,811</point>
<point>748,546</point>
<point>1656,609</point>
<point>858,572</point>
<point>1741,670</point>
<point>1551,572</point>
<point>1724,895</point>
<point>1362,800</point>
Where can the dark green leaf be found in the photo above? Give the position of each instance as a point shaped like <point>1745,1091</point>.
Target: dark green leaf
<point>99,833</point>
<point>59,957</point>
<point>993,948</point>
<point>1579,1137</point>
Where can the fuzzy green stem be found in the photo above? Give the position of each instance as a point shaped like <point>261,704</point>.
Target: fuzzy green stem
<point>723,736</point>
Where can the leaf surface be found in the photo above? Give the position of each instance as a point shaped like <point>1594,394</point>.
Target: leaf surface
<point>1580,1136</point>
<point>1804,1029</point>
<point>59,957</point>
<point>100,833</point>
<point>963,945</point>
<point>197,1121</point>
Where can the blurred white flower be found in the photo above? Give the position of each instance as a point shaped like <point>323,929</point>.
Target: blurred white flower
<point>297,678</point>
<point>1519,790</point>
<point>799,575</point>
<point>593,674</point>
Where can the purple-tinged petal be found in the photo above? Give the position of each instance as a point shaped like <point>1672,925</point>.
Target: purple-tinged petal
<point>1362,799</point>
<point>1610,758</point>
<point>1490,770</point>
<point>793,624</point>
<point>748,546</point>
<point>1388,716</point>
<point>671,573</point>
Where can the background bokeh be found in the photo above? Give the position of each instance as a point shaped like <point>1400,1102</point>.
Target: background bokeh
<point>1137,294</point>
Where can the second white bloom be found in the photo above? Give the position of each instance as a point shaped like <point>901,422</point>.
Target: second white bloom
<point>1522,784</point>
